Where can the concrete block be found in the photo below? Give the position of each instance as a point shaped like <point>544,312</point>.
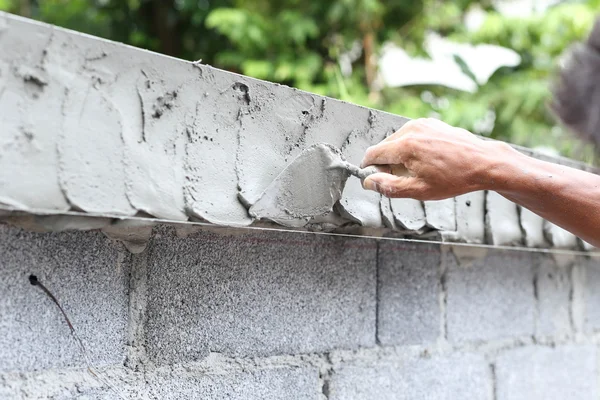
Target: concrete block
<point>408,295</point>
<point>553,288</point>
<point>492,298</point>
<point>270,384</point>
<point>258,294</point>
<point>87,274</point>
<point>544,373</point>
<point>588,286</point>
<point>460,376</point>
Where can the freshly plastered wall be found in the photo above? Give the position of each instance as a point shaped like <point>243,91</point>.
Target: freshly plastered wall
<point>125,180</point>
<point>103,129</point>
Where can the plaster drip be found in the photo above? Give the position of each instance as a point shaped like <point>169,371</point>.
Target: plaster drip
<point>559,237</point>
<point>387,215</point>
<point>533,227</point>
<point>104,128</point>
<point>470,217</point>
<point>441,215</point>
<point>502,220</point>
<point>409,213</point>
<point>588,247</point>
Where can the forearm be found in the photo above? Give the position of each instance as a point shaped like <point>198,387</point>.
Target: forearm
<point>567,197</point>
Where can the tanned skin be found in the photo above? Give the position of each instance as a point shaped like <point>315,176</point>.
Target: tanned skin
<point>444,161</point>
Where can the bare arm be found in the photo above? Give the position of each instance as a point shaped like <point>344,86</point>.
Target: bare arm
<point>444,161</point>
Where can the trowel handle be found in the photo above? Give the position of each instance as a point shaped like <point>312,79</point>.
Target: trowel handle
<point>399,170</point>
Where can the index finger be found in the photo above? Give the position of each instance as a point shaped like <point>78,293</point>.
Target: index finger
<point>418,125</point>
<point>408,126</point>
<point>384,153</point>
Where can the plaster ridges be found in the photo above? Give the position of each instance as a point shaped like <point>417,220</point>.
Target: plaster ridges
<point>502,220</point>
<point>182,140</point>
<point>559,237</point>
<point>533,228</point>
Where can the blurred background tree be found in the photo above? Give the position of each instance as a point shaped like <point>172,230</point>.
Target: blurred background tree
<point>335,48</point>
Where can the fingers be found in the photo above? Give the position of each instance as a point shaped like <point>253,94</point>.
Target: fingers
<point>394,186</point>
<point>409,126</point>
<point>384,153</point>
<point>416,125</point>
<point>390,150</point>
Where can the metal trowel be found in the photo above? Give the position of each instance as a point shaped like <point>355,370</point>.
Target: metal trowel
<point>308,188</point>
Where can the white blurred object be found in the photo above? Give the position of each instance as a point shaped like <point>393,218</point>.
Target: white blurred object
<point>397,68</point>
<point>482,59</point>
<point>523,8</point>
<point>547,150</point>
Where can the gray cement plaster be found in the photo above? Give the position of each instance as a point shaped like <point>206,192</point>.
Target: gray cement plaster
<point>502,220</point>
<point>95,126</point>
<point>293,198</point>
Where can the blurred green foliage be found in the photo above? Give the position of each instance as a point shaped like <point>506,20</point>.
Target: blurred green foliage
<point>304,43</point>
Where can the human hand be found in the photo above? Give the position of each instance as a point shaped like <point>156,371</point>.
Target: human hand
<point>436,160</point>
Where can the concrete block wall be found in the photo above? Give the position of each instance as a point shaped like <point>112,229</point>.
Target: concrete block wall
<point>242,314</point>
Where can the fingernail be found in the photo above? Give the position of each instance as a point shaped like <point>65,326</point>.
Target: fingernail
<point>370,184</point>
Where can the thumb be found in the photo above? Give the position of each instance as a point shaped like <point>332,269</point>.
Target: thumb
<point>391,185</point>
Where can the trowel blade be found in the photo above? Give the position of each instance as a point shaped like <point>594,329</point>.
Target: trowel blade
<point>307,188</point>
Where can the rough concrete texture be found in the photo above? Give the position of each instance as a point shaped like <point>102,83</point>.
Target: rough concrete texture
<point>88,275</point>
<point>287,314</point>
<point>588,284</point>
<point>408,294</point>
<point>271,384</point>
<point>553,290</point>
<point>492,298</point>
<point>544,373</point>
<point>100,127</point>
<point>461,376</point>
<point>258,295</point>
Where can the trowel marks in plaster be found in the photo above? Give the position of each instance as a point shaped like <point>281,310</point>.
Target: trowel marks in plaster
<point>28,157</point>
<point>308,188</point>
<point>502,219</point>
<point>533,227</point>
<point>165,174</point>
<point>441,214</point>
<point>275,128</point>
<point>356,203</point>
<point>470,217</point>
<point>559,237</point>
<point>210,162</point>
<point>156,175</point>
<point>91,168</point>
<point>408,213</point>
